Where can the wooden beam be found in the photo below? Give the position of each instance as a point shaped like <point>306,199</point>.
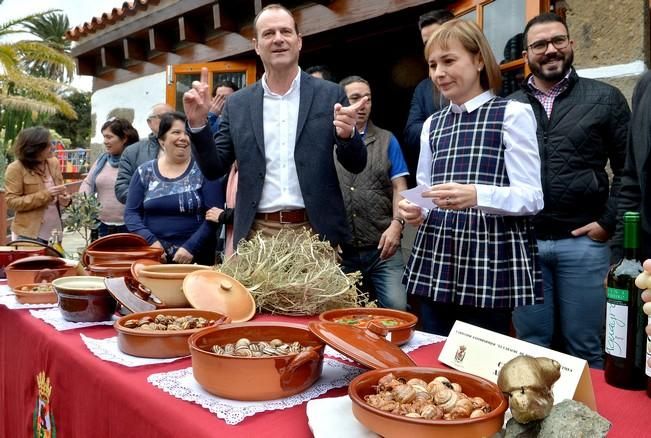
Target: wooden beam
<point>85,65</point>
<point>222,21</point>
<point>133,50</point>
<point>158,43</point>
<point>190,30</point>
<point>109,58</point>
<point>144,21</point>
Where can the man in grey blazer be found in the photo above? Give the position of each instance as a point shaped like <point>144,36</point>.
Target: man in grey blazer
<point>281,130</point>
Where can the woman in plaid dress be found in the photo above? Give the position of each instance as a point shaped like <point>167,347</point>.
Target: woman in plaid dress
<point>475,255</point>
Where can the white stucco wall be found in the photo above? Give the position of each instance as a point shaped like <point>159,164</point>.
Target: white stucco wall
<point>139,94</point>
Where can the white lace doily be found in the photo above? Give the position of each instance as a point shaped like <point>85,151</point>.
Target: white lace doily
<point>419,339</point>
<point>107,349</point>
<point>181,384</point>
<point>55,319</point>
<point>5,290</point>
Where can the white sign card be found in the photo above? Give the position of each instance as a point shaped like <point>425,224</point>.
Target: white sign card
<point>415,196</point>
<point>481,352</point>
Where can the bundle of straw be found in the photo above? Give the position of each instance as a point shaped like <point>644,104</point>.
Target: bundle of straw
<point>293,273</point>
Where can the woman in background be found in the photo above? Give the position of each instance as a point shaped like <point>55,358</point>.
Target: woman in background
<point>118,134</point>
<point>34,187</point>
<point>169,197</point>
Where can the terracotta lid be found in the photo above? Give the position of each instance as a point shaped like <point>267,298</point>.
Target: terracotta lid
<point>38,262</point>
<point>366,346</point>
<point>215,291</point>
<point>114,242</point>
<point>132,294</point>
<point>36,244</point>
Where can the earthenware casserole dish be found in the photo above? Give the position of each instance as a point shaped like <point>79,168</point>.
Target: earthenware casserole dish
<point>256,378</point>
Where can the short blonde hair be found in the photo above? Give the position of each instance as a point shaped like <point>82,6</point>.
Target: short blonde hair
<point>473,40</point>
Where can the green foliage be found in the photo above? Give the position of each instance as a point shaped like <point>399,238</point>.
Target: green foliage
<point>78,131</point>
<point>82,215</point>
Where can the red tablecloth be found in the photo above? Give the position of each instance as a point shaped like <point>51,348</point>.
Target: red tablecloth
<point>94,398</point>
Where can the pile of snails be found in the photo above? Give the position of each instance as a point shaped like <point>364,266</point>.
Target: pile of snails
<point>168,323</point>
<point>245,348</point>
<point>436,400</point>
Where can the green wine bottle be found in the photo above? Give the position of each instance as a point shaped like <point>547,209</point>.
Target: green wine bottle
<point>625,340</point>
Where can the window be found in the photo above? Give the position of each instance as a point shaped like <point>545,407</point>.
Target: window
<point>503,21</point>
<point>181,76</point>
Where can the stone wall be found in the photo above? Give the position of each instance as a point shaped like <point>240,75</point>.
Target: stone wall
<point>608,33</point>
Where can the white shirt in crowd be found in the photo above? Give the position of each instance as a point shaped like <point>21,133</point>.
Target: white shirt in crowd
<point>524,195</point>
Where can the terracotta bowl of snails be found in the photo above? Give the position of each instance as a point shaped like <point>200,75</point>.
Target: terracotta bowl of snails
<point>256,378</point>
<point>163,333</point>
<point>373,413</point>
<point>400,325</point>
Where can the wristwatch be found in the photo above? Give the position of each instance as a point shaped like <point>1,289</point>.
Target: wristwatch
<point>400,220</point>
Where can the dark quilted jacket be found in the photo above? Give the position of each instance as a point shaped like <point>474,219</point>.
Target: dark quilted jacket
<point>588,126</point>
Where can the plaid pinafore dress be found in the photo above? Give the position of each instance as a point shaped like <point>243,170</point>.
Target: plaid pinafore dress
<point>469,257</point>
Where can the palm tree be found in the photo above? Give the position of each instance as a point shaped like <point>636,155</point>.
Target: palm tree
<point>20,89</point>
<point>51,29</point>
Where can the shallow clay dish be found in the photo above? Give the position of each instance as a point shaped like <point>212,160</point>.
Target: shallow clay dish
<point>255,378</point>
<point>11,253</point>
<point>212,290</point>
<point>84,299</point>
<point>391,425</point>
<point>37,269</point>
<point>398,334</point>
<point>93,256</point>
<point>159,343</point>
<point>166,282</point>
<point>35,293</point>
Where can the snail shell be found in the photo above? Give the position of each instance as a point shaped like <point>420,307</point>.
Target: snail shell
<point>269,351</point>
<point>456,387</point>
<point>431,412</point>
<point>477,413</point>
<point>461,409</point>
<point>441,379</point>
<point>217,349</point>
<point>276,342</point>
<point>417,382</point>
<point>404,393</point>
<point>243,342</point>
<point>446,399</point>
<point>131,323</point>
<point>478,402</point>
<point>413,415</point>
<point>229,348</point>
<point>243,352</point>
<point>160,319</point>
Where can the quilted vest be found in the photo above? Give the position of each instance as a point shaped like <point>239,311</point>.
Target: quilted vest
<point>368,196</point>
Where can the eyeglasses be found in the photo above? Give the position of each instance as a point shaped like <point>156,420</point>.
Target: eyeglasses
<point>153,116</point>
<point>540,47</point>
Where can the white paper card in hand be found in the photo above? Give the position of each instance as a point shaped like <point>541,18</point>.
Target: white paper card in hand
<point>415,196</point>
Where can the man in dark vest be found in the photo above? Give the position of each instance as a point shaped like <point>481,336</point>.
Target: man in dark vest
<point>371,199</point>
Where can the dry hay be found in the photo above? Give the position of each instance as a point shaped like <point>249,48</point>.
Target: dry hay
<point>293,273</point>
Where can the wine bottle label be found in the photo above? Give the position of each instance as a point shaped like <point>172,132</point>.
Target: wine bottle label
<point>648,352</point>
<point>616,325</point>
<point>615,294</point>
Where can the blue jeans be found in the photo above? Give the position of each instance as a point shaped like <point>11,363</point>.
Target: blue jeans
<point>438,318</point>
<point>385,276</point>
<point>573,271</point>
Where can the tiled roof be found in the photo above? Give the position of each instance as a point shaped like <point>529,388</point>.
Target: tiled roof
<point>109,18</point>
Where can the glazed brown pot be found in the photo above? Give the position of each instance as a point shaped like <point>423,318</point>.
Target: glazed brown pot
<point>398,335</point>
<point>37,269</point>
<point>391,425</point>
<point>160,344</point>
<point>255,378</point>
<point>84,299</point>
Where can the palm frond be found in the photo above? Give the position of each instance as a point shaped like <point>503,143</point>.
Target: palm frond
<point>14,25</point>
<point>22,103</point>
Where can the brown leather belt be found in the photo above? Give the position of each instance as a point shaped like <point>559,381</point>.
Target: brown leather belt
<point>284,216</point>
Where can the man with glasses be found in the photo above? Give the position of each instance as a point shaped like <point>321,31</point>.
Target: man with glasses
<point>582,124</point>
<point>137,153</point>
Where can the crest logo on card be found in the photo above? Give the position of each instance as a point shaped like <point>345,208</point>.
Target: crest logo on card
<point>460,354</point>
